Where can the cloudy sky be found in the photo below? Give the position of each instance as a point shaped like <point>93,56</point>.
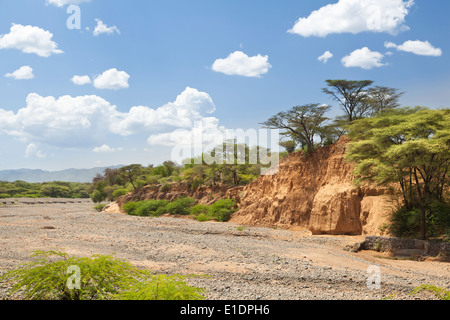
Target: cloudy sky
<point>86,83</point>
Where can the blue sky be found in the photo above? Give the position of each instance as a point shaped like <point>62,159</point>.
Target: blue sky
<point>152,68</point>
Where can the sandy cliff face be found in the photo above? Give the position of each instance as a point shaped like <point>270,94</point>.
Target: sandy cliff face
<point>316,193</point>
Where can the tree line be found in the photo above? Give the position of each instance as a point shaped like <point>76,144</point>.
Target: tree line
<point>56,189</point>
<point>195,172</point>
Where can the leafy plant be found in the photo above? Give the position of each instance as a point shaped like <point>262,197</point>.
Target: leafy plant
<point>199,209</point>
<point>222,210</point>
<point>151,208</point>
<point>100,207</point>
<point>119,192</point>
<point>203,217</point>
<point>101,278</point>
<point>130,208</point>
<point>166,188</point>
<point>181,206</point>
<point>440,293</point>
<point>162,287</point>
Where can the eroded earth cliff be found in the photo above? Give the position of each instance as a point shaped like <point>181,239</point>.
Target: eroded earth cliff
<point>316,192</point>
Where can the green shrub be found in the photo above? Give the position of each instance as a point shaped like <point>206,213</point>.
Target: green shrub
<point>166,188</point>
<point>5,196</point>
<point>97,196</point>
<point>100,207</point>
<point>162,287</point>
<point>151,208</point>
<point>130,208</point>
<point>101,278</point>
<point>222,210</point>
<point>196,183</point>
<point>407,224</point>
<point>440,293</point>
<point>181,206</point>
<point>119,192</point>
<point>199,209</point>
<point>203,217</point>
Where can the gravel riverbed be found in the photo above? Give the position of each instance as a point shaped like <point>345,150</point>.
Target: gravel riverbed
<point>243,263</point>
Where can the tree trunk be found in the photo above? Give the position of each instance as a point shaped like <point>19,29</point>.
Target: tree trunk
<point>423,224</point>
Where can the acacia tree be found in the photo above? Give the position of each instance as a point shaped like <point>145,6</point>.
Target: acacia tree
<point>301,123</point>
<point>351,96</point>
<point>409,147</point>
<point>382,99</point>
<point>131,173</point>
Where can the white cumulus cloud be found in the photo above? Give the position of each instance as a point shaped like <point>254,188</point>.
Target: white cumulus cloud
<point>325,57</point>
<point>29,39</point>
<point>363,58</point>
<point>23,73</point>
<point>238,63</point>
<point>81,80</point>
<point>86,121</point>
<point>112,79</point>
<point>191,105</point>
<point>102,28</point>
<point>62,122</point>
<point>423,48</point>
<point>355,16</point>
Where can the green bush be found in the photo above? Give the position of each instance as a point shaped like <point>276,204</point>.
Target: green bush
<point>181,206</point>
<point>196,183</point>
<point>406,224</point>
<point>166,188</point>
<point>100,207</point>
<point>5,196</point>
<point>151,208</point>
<point>222,210</point>
<point>130,207</point>
<point>98,196</point>
<point>199,209</point>
<point>119,192</point>
<point>203,217</point>
<point>440,293</point>
<point>100,278</point>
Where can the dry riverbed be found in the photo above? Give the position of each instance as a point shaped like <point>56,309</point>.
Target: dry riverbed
<point>244,263</point>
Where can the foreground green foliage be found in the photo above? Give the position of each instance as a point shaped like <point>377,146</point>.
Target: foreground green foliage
<point>57,189</point>
<point>440,293</point>
<point>101,278</point>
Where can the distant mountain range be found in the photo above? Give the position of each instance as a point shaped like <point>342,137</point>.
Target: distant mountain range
<point>39,176</point>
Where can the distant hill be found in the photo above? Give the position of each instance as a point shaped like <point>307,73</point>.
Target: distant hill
<point>39,176</point>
